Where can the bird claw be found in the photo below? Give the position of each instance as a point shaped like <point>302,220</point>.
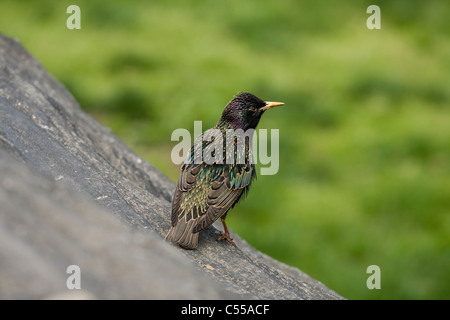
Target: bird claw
<point>226,236</point>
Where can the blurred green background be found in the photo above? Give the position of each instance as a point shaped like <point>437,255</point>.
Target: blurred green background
<point>364,174</point>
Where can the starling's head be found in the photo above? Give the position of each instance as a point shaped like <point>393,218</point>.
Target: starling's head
<point>245,110</point>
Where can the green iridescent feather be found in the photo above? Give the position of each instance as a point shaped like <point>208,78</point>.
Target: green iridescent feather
<point>215,176</point>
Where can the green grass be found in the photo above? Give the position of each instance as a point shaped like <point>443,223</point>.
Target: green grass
<point>364,173</point>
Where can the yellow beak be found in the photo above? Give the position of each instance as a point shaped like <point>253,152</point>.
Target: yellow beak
<point>270,104</point>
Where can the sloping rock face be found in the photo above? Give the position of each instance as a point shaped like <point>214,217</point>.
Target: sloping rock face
<point>71,193</point>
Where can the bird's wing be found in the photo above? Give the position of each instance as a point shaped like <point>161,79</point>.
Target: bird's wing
<point>224,185</point>
<point>225,191</point>
<point>185,184</point>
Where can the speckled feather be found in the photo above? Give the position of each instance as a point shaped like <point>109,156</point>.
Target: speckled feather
<point>205,192</point>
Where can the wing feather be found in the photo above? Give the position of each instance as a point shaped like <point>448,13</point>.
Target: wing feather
<point>223,194</point>
<point>222,185</point>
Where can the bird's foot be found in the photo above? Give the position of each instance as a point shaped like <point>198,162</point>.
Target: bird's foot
<point>226,236</point>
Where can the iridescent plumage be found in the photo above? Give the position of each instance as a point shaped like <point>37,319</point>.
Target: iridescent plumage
<point>206,190</point>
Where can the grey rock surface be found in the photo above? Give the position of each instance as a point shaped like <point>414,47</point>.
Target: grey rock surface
<point>71,193</point>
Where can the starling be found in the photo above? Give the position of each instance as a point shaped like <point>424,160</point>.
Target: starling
<point>206,190</point>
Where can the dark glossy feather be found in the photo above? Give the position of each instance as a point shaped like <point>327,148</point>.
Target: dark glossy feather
<point>206,191</point>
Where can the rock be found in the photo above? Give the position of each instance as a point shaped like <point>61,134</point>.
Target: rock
<point>71,193</point>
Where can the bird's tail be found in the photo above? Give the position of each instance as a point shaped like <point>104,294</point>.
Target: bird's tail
<point>182,234</point>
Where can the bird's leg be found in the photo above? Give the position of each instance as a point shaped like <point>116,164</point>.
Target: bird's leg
<point>226,235</point>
